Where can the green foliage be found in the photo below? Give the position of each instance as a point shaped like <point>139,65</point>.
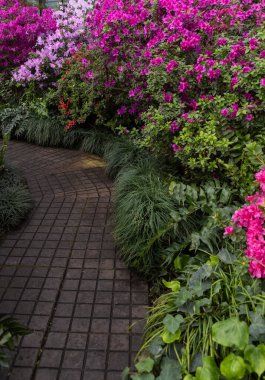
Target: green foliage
<point>6,93</point>
<point>121,154</point>
<point>145,365</point>
<point>210,304</point>
<point>247,359</point>
<point>233,367</point>
<point>10,330</point>
<point>15,200</point>
<point>142,209</point>
<point>153,227</point>
<point>200,214</point>
<point>209,370</point>
<point>96,141</point>
<point>231,332</point>
<point>3,151</point>
<point>21,122</point>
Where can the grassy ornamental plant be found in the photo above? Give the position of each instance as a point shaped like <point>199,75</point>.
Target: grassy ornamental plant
<point>171,94</point>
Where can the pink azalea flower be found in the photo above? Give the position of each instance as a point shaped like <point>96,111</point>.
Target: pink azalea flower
<point>249,117</point>
<point>224,112</point>
<point>171,66</point>
<point>229,230</point>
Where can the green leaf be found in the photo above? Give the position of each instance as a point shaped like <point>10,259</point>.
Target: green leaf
<point>170,370</point>
<point>145,365</point>
<point>226,257</point>
<point>172,187</point>
<point>200,275</point>
<point>156,346</point>
<point>181,261</point>
<point>189,377</point>
<point>200,303</point>
<point>5,338</point>
<point>168,337</point>
<point>233,367</point>
<point>3,360</point>
<point>125,373</point>
<point>209,370</point>
<point>183,296</point>
<point>256,357</point>
<point>214,260</point>
<point>257,327</point>
<point>173,285</point>
<point>143,376</point>
<point>231,332</point>
<point>172,323</point>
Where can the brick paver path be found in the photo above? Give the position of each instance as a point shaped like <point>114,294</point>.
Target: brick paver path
<point>60,274</point>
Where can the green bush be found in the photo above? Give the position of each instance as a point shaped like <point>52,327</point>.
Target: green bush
<point>10,330</point>
<point>142,209</point>
<point>121,153</point>
<point>182,324</point>
<point>15,201</point>
<point>96,141</point>
<point>155,223</point>
<point>22,123</point>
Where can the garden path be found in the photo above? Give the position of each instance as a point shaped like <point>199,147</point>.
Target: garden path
<point>61,276</point>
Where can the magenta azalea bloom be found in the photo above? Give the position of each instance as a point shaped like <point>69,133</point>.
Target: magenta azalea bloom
<point>229,230</point>
<point>251,217</point>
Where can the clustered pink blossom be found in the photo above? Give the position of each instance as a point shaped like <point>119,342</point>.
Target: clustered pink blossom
<point>140,36</point>
<point>52,50</point>
<point>20,26</point>
<point>251,217</point>
<point>198,51</point>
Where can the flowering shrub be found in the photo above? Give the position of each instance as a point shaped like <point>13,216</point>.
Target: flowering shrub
<point>52,50</point>
<point>251,217</point>
<point>189,75</point>
<point>20,26</point>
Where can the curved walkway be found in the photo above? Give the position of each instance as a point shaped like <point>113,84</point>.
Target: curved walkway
<point>60,274</point>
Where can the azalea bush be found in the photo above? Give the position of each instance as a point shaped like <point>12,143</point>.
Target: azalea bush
<point>20,27</point>
<point>52,49</point>
<point>251,218</point>
<point>184,79</point>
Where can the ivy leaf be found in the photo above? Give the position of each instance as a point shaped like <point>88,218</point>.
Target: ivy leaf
<point>209,370</point>
<point>155,347</point>
<point>233,367</point>
<point>231,332</point>
<point>173,285</point>
<point>256,357</point>
<point>169,338</point>
<point>143,376</point>
<point>181,261</point>
<point>183,296</point>
<point>170,370</point>
<point>226,257</point>
<point>125,373</point>
<point>257,327</point>
<point>172,323</point>
<point>200,275</point>
<point>214,260</point>
<point>188,308</point>
<point>145,365</point>
<point>197,362</point>
<point>200,303</point>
